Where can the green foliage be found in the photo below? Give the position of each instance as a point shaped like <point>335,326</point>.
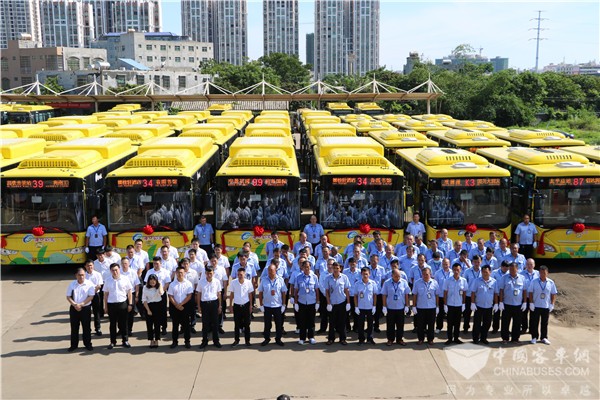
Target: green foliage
<point>137,89</point>
<point>237,77</point>
<point>52,84</point>
<point>292,74</point>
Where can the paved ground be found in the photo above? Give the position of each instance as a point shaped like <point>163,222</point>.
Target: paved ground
<point>35,363</point>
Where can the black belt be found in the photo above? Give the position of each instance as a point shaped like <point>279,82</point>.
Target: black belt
<point>209,301</point>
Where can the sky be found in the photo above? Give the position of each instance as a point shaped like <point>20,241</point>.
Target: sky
<point>571,29</point>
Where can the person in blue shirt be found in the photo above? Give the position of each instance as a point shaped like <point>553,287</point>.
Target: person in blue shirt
<point>529,273</point>
<point>306,294</point>
<point>444,242</point>
<point>408,260</point>
<point>205,234</point>
<point>421,247</point>
<point>395,293</point>
<point>377,274</point>
<point>409,241</point>
<point>314,231</point>
<point>365,297</point>
<point>323,312</point>
<point>515,257</point>
<point>280,265</point>
<point>483,298</point>
<point>356,243</point>
<point>526,235</point>
<point>388,257</point>
<point>377,248</point>
<point>321,264</point>
<point>435,263</point>
<point>338,303</point>
<point>274,243</point>
<point>373,244</point>
<point>497,275</point>
<point>319,248</point>
<point>301,244</point>
<point>494,243</point>
<point>502,251</point>
<point>478,250</point>
<point>512,302</point>
<point>440,276</point>
<point>470,275</point>
<point>490,260</point>
<point>433,247</point>
<point>359,258</point>
<point>425,305</point>
<point>455,291</point>
<point>335,254</point>
<point>468,244</point>
<point>454,253</point>
<point>271,292</point>
<point>542,295</point>
<point>354,276</point>
<point>415,227</point>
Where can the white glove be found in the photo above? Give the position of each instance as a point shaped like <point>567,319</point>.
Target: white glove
<point>317,305</point>
<point>495,308</point>
<point>523,306</point>
<point>296,307</point>
<point>329,307</point>
<point>501,306</point>
<point>357,310</point>
<point>473,307</point>
<point>87,249</point>
<point>531,307</point>
<point>262,309</point>
<point>384,310</point>
<point>405,309</point>
<point>535,245</point>
<point>551,307</point>
<point>282,309</point>
<point>373,310</point>
<point>347,307</point>
<point>437,310</point>
<point>462,309</point>
<point>446,309</point>
<point>291,300</point>
<point>414,310</point>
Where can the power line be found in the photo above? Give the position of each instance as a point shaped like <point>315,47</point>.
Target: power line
<point>537,39</point>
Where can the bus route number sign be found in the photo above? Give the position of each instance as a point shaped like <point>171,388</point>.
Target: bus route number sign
<point>470,182</point>
<point>574,181</point>
<point>37,183</point>
<point>257,182</point>
<point>147,183</point>
<point>361,181</point>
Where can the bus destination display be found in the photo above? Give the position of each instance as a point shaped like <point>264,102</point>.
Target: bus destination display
<point>36,183</point>
<point>145,183</point>
<point>361,181</point>
<point>574,181</point>
<point>257,182</point>
<point>470,182</point>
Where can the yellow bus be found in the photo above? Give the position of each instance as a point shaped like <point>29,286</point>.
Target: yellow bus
<point>200,116</point>
<point>258,192</point>
<point>133,107</point>
<point>13,151</point>
<point>139,134</point>
<point>268,129</point>
<point>370,108</point>
<point>466,139</point>
<point>27,114</point>
<point>160,192</point>
<point>86,130</point>
<point>349,118</point>
<point>222,135</point>
<point>149,116</point>
<point>217,109</point>
<point>477,125</point>
<point>20,130</point>
<point>434,117</point>
<point>394,140</point>
<point>364,127</point>
<point>121,120</point>
<point>393,117</point>
<point>49,200</point>
<point>69,119</point>
<point>561,192</point>
<point>420,126</point>
<point>457,190</point>
<point>339,108</point>
<point>357,190</point>
<point>176,122</point>
<point>592,153</point>
<point>246,114</point>
<point>537,138</point>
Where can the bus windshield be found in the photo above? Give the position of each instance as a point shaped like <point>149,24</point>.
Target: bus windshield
<point>567,205</point>
<point>19,118</point>
<point>345,208</point>
<point>163,207</point>
<point>272,209</point>
<point>456,207</point>
<point>56,208</point>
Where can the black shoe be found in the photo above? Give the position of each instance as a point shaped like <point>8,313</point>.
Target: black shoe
<point>265,342</point>
<point>188,345</point>
<point>218,345</point>
<point>221,331</point>
<point>126,344</point>
<point>485,341</point>
<point>515,341</point>
<point>377,330</point>
<point>163,331</point>
<point>321,331</point>
<point>89,348</point>
<point>98,332</point>
<point>495,331</point>
<point>465,330</point>
<point>283,332</point>
<point>370,340</point>
<point>235,343</point>
<point>111,346</point>
<point>248,344</point>
<point>72,349</point>
<point>279,343</point>
<point>475,341</point>
<point>360,342</point>
<point>173,345</point>
<point>193,330</point>
<point>203,344</point>
<point>414,330</point>
<point>458,341</point>
<point>448,342</point>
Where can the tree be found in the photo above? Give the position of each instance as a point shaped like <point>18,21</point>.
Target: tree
<point>237,77</point>
<point>562,91</point>
<point>462,50</point>
<point>293,75</point>
<point>52,83</point>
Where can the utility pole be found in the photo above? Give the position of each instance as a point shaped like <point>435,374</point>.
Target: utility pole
<point>537,39</point>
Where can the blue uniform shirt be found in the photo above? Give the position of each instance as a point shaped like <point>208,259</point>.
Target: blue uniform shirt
<point>494,246</point>
<point>271,290</point>
<point>452,255</point>
<point>492,262</point>
<point>281,271</point>
<point>519,259</point>
<point>270,246</point>
<point>417,229</point>
<point>513,289</point>
<point>377,274</point>
<point>307,285</point>
<point>203,232</point>
<point>440,277</point>
<point>405,263</point>
<point>372,247</point>
<point>362,262</point>
<point>365,292</point>
<point>435,265</point>
<point>471,275</point>
<point>429,254</point>
<point>498,274</point>
<point>353,277</point>
<point>501,255</point>
<point>426,293</point>
<point>468,246</point>
<point>395,293</point>
<point>526,233</point>
<point>96,235</point>
<point>299,246</point>
<point>477,251</point>
<point>314,232</point>
<point>422,248</point>
<point>484,292</point>
<point>387,262</point>
<point>400,250</point>
<point>456,289</point>
<point>529,277</point>
<point>445,245</point>
<point>321,264</point>
<point>542,292</point>
<point>415,274</point>
<point>337,288</point>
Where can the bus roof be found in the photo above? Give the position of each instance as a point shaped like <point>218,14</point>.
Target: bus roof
<point>434,117</point>
<point>219,107</point>
<point>247,114</point>
<point>355,161</point>
<point>53,137</point>
<point>107,147</point>
<point>543,162</point>
<point>368,106</point>
<point>420,126</point>
<point>371,125</point>
<point>155,128</point>
<point>393,117</point>
<point>305,112</point>
<point>262,119</point>
<point>210,129</point>
<point>592,153</point>
<point>268,129</point>
<point>88,130</point>
<point>22,130</point>
<point>538,138</point>
<point>199,146</point>
<point>401,139</point>
<point>325,145</point>
<point>151,115</point>
<point>263,143</point>
<point>109,114</point>
<point>476,124</point>
<point>15,150</point>
<point>238,121</point>
<point>355,117</point>
<point>275,112</point>
<point>468,138</point>
<point>198,115</point>
<point>127,106</point>
<point>442,162</point>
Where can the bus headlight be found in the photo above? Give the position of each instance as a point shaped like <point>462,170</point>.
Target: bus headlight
<point>549,248</point>
<point>6,252</point>
<point>76,250</point>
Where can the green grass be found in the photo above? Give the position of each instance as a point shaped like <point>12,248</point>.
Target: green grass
<point>585,127</point>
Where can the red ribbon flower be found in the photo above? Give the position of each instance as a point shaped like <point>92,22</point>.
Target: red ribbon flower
<point>471,228</point>
<point>258,230</point>
<point>148,230</point>
<point>3,242</point>
<point>364,228</point>
<point>38,231</point>
<point>578,228</point>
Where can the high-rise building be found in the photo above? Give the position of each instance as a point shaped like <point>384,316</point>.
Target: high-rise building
<point>19,17</point>
<point>280,26</point>
<point>222,22</point>
<point>66,23</point>
<point>310,49</point>
<point>346,37</point>
<point>122,15</point>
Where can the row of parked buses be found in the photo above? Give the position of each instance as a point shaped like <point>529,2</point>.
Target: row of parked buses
<point>148,174</point>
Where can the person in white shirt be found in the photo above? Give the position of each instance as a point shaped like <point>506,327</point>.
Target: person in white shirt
<point>208,297</point>
<point>142,254</point>
<point>180,299</point>
<point>164,277</point>
<point>135,261</point>
<point>118,302</point>
<point>241,292</point>
<point>130,274</point>
<point>192,276</point>
<point>222,260</point>
<point>152,300</point>
<point>195,264</point>
<point>167,261</point>
<point>112,256</point>
<point>79,295</point>
<point>102,265</point>
<point>166,241</point>
<point>201,254</point>
<point>96,278</point>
